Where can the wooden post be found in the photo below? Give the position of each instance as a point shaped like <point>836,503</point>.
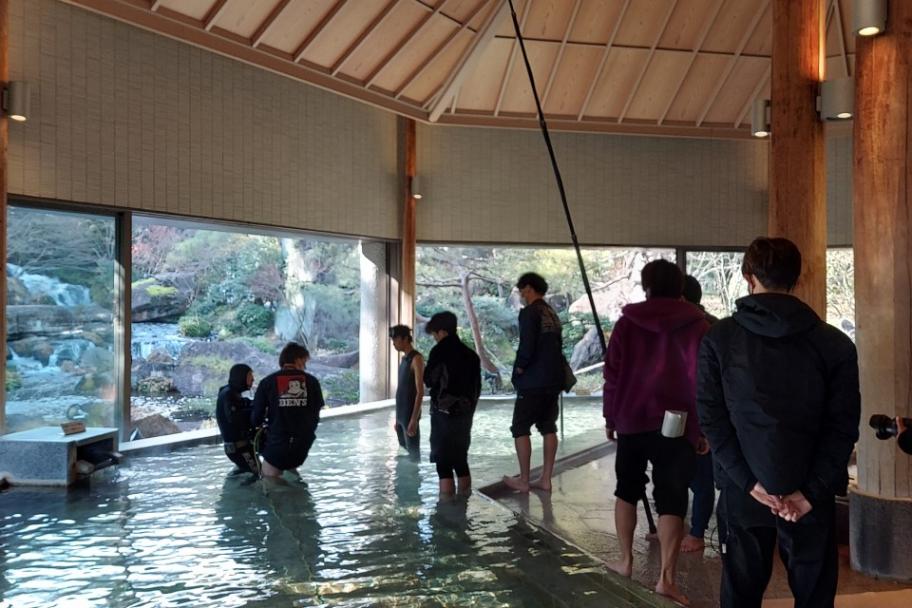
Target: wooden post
<point>4,145</point>
<point>797,205</point>
<point>881,509</point>
<point>409,232</point>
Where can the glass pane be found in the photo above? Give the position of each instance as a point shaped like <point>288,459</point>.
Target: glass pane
<point>60,319</point>
<point>719,274</point>
<point>205,298</point>
<point>841,290</point>
<point>478,282</point>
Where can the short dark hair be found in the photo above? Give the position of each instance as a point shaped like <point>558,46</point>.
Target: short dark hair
<point>533,280</point>
<point>292,352</point>
<point>401,331</point>
<point>693,291</point>
<point>776,262</point>
<point>662,279</point>
<point>445,321</point>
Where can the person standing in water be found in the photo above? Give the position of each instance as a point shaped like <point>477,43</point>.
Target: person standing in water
<point>232,412</point>
<point>409,391</point>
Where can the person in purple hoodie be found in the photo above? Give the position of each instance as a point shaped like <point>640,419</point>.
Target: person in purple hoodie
<point>650,368</point>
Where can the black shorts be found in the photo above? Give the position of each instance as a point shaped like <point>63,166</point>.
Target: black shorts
<point>451,437</point>
<point>287,453</point>
<point>535,407</point>
<point>673,465</point>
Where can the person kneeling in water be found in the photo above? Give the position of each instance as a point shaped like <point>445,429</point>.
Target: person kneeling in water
<point>232,412</point>
<point>289,402</point>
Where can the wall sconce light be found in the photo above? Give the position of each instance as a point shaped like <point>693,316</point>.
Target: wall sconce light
<point>760,118</point>
<point>837,99</point>
<point>17,99</point>
<point>415,188</point>
<point>870,17</point>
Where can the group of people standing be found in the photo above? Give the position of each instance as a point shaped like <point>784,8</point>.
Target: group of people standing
<point>767,401</point>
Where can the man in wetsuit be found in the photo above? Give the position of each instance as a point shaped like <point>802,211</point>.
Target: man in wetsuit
<point>289,402</point>
<point>453,375</point>
<point>232,412</point>
<point>409,391</point>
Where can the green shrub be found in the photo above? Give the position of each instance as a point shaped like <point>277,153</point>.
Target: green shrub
<point>13,380</point>
<point>161,291</point>
<point>254,320</point>
<point>261,343</point>
<point>194,327</point>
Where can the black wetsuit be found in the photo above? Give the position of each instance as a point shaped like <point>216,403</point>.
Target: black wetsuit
<point>232,412</point>
<point>289,401</point>
<point>406,393</point>
<point>453,374</point>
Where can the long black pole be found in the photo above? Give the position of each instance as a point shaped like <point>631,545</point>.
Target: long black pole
<point>560,182</point>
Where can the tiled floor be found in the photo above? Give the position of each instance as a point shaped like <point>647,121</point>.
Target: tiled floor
<point>581,511</point>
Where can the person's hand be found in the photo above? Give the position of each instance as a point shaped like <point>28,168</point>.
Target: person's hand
<point>760,495</point>
<point>412,429</point>
<point>610,434</point>
<point>900,425</point>
<point>794,507</point>
<point>702,446</point>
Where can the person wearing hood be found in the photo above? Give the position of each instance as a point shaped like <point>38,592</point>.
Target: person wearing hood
<point>232,412</point>
<point>778,400</point>
<point>650,368</point>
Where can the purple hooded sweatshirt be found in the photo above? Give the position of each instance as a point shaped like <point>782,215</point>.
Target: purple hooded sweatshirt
<point>651,366</point>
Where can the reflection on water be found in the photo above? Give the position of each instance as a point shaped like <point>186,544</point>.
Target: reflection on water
<point>368,529</point>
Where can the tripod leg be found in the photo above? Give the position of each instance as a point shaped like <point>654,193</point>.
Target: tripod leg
<point>649,518</point>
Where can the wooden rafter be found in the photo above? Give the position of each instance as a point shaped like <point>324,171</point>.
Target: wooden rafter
<point>372,77</point>
<point>154,6</point>
<point>652,50</point>
<point>842,41</point>
<point>266,26</point>
<point>469,59</point>
<point>733,61</point>
<point>601,66</point>
<point>364,35</point>
<point>213,14</point>
<point>437,51</point>
<point>750,100</point>
<point>317,30</point>
<point>510,62</point>
<point>560,53</point>
<point>693,57</point>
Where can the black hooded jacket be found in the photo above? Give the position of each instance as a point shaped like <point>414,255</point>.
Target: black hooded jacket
<point>778,399</point>
<point>232,410</point>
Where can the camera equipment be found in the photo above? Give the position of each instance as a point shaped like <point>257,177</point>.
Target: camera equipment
<point>886,426</point>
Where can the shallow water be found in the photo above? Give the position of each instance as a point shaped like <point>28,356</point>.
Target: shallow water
<point>367,530</point>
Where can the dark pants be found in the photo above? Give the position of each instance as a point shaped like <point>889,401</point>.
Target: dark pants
<point>704,495</point>
<point>241,454</point>
<point>748,533</point>
<point>412,444</point>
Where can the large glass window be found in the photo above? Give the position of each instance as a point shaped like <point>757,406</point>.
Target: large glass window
<point>205,298</point>
<point>719,274</point>
<point>841,289</point>
<point>477,283</point>
<point>59,315</point>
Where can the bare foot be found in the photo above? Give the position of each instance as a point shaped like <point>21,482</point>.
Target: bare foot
<point>540,484</point>
<point>671,590</point>
<point>624,568</point>
<point>516,484</point>
<point>692,544</point>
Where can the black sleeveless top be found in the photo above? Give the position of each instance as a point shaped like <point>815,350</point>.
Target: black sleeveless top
<point>406,391</point>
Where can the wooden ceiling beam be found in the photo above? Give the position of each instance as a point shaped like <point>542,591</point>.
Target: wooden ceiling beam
<point>364,35</point>
<point>437,51</point>
<point>266,26</point>
<point>560,53</point>
<point>601,66</point>
<point>317,30</point>
<point>154,5</point>
<point>470,58</point>
<point>372,77</point>
<point>514,48</point>
<point>720,83</point>
<point>693,57</point>
<point>652,50</point>
<point>214,14</point>
<point>750,100</point>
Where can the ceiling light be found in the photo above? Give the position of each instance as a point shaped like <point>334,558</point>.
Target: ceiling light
<point>17,99</point>
<point>837,99</point>
<point>415,188</point>
<point>870,17</point>
<point>760,118</point>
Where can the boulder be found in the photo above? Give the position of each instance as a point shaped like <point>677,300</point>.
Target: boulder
<point>155,385</point>
<point>587,351</point>
<point>343,360</point>
<point>155,425</point>
<point>38,348</point>
<point>156,300</point>
<point>29,320</point>
<point>203,366</point>
<point>558,301</point>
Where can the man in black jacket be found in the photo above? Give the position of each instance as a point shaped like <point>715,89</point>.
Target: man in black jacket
<point>232,412</point>
<point>778,400</point>
<point>538,376</point>
<point>289,402</point>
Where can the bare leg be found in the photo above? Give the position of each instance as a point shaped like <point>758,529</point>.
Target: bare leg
<point>270,471</point>
<point>464,484</point>
<point>447,486</point>
<point>549,449</point>
<point>524,456</point>
<point>625,521</point>
<point>671,531</point>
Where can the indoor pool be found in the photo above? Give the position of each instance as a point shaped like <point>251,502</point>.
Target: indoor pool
<point>366,530</point>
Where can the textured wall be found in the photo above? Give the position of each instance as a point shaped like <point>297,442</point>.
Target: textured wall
<point>839,188</point>
<point>127,118</point>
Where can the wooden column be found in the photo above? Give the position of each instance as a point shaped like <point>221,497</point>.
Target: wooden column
<point>409,232</point>
<point>797,205</point>
<point>881,508</point>
<point>4,145</point>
